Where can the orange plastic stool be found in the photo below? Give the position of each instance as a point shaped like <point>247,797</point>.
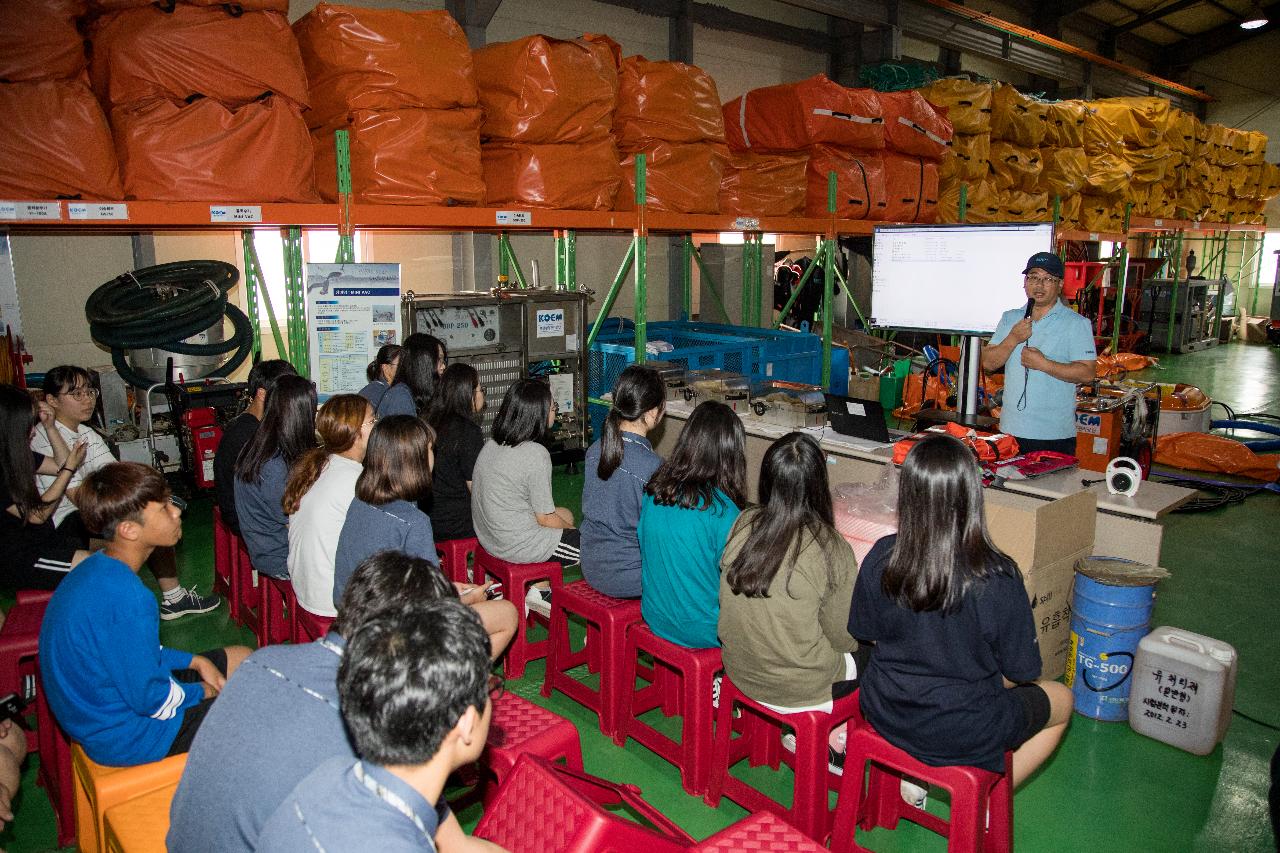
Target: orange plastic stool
<point>98,788</point>
<point>141,824</point>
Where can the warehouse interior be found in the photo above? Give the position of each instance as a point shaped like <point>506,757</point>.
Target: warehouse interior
<point>1183,171</point>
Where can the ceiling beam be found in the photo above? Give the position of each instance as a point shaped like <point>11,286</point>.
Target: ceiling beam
<point>720,18</point>
<point>1183,54</point>
<point>1134,45</point>
<point>1154,15</point>
<point>1162,24</point>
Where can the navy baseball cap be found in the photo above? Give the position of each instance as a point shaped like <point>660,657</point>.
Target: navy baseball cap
<point>1047,261</point>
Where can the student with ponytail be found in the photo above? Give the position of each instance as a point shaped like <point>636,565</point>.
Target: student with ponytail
<point>318,494</point>
<point>618,466</point>
<point>380,373</point>
<point>422,360</point>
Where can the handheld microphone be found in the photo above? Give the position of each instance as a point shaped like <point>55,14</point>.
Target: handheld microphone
<point>1031,303</point>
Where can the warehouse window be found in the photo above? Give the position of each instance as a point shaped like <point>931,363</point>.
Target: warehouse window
<point>1270,257</point>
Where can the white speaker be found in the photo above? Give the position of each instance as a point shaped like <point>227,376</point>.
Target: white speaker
<point>1124,475</point>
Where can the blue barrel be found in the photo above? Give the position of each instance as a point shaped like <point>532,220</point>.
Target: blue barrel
<point>1106,624</point>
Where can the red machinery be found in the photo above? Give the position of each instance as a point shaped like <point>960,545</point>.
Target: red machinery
<point>202,435</point>
<point>1117,419</point>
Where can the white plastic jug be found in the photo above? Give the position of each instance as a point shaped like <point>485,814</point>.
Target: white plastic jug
<point>1184,686</point>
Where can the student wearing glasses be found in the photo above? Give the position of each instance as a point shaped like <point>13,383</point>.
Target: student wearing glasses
<point>1046,350</point>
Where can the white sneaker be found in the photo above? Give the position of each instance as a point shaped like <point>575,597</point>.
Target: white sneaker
<point>539,601</point>
<point>913,794</point>
<point>715,691</point>
<point>789,742</point>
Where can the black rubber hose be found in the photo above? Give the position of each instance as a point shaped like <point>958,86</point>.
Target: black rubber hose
<point>163,305</point>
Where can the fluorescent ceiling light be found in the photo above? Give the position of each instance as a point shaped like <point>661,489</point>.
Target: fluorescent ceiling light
<point>1253,23</point>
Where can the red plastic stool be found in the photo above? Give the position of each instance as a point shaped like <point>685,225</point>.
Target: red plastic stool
<point>878,802</point>
<point>307,626</point>
<point>761,831</point>
<point>680,682</point>
<point>20,639</point>
<point>278,601</point>
<point>760,743</point>
<point>55,768</point>
<point>604,651</point>
<point>246,590</point>
<point>454,557</point>
<point>224,555</point>
<point>545,808</point>
<point>516,578</point>
<point>520,727</point>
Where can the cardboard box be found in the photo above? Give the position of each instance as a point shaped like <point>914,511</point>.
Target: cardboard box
<point>1050,588</point>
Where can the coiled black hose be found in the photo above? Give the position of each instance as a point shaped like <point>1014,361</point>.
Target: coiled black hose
<point>163,305</point>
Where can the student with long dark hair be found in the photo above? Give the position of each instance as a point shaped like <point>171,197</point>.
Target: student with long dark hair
<point>459,440</point>
<point>618,466</point>
<point>512,508</point>
<point>381,372</point>
<point>785,590</point>
<point>422,360</point>
<point>952,680</point>
<point>288,430</point>
<point>690,505</point>
<point>384,516</point>
<point>261,381</point>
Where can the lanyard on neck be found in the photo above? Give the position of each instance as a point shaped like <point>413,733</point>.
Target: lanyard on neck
<point>392,799</point>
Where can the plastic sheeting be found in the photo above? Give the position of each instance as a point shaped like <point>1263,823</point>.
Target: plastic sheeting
<point>668,101</point>
<point>1065,124</point>
<point>968,158</point>
<point>793,116</point>
<point>910,188</point>
<point>1065,171</point>
<point>1017,118</point>
<point>577,176</point>
<point>764,184</point>
<point>1121,363</point>
<point>1109,174</point>
<point>1253,151</point>
<point>968,104</point>
<point>1149,164</point>
<point>408,156</point>
<point>1019,206</point>
<point>1101,213</point>
<point>1101,135</point>
<point>281,6</point>
<point>39,40</point>
<point>55,143</point>
<point>383,59</point>
<point>1152,200</point>
<point>1141,122</point>
<point>147,53</point>
<point>913,126</point>
<point>983,203</point>
<point>860,183</point>
<point>1015,167</point>
<point>1184,132</point>
<point>196,152</point>
<point>1198,451</point>
<point>1068,210</point>
<point>544,90</point>
<point>680,178</point>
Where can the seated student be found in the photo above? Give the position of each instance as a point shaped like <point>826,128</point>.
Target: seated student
<point>33,554</point>
<point>422,360</point>
<point>238,433</point>
<point>72,394</point>
<point>380,372</point>
<point>618,466</point>
<point>112,687</point>
<point>414,693</point>
<point>690,505</point>
<point>459,440</point>
<point>13,749</point>
<point>288,430</point>
<point>514,513</point>
<point>785,585</point>
<point>318,494</point>
<point>952,679</point>
<point>397,472</point>
<point>277,718</point>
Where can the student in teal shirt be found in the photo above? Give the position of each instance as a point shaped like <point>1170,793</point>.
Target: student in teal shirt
<point>690,505</point>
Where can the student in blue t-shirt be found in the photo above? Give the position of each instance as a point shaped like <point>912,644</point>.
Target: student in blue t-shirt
<point>690,505</point>
<point>953,676</point>
<point>113,688</point>
<point>414,693</point>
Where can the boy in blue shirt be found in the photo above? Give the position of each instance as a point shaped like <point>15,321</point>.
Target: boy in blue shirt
<point>115,690</point>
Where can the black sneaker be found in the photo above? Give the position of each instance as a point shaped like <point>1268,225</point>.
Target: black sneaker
<point>189,602</point>
<point>835,761</point>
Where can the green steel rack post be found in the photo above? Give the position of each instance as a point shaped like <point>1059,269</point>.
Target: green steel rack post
<point>641,251</point>
<point>256,282</point>
<point>1118,313</point>
<point>346,238</point>
<point>1173,294</point>
<point>624,270</point>
<point>829,281</point>
<point>686,278</point>
<point>296,302</point>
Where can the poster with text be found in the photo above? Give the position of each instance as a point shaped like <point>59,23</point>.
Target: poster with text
<point>353,310</point>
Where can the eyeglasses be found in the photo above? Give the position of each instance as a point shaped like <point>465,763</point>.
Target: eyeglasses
<point>82,393</point>
<point>1040,279</point>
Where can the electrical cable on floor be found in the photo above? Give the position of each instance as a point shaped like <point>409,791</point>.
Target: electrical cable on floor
<point>1216,495</point>
<point>1255,720</point>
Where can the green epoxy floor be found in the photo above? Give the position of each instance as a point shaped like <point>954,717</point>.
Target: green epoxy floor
<point>1107,788</point>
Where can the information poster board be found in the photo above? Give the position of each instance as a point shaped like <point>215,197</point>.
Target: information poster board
<point>353,309</point>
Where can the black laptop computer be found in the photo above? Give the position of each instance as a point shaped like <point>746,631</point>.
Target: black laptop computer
<point>857,418</point>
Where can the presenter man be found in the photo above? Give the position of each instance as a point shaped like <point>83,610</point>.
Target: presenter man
<point>1046,350</point>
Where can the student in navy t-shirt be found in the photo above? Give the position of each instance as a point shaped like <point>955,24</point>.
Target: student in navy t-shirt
<point>952,679</point>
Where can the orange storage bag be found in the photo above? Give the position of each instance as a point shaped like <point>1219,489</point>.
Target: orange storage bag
<point>1020,206</point>
<point>574,176</point>
<point>982,202</point>
<point>1014,166</point>
<point>913,126</point>
<point>55,143</point>
<point>408,156</point>
<point>764,184</point>
<point>1017,118</point>
<point>281,6</point>
<point>910,188</point>
<point>148,53</point>
<point>968,160</point>
<point>967,104</point>
<point>1064,172</point>
<point>39,40</point>
<point>1065,127</point>
<point>670,101</point>
<point>544,90</point>
<point>196,152</point>
<point>860,191</point>
<point>383,59</point>
<point>680,178</point>
<point>1200,451</point>
<point>792,116</point>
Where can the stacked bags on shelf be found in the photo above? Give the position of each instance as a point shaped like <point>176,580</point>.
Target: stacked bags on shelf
<point>401,84</point>
<point>192,89</point>
<point>547,134</point>
<point>670,112</point>
<point>968,106</point>
<point>54,141</point>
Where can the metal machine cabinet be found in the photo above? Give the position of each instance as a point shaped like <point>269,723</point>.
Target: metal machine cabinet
<point>1191,315</point>
<point>509,334</point>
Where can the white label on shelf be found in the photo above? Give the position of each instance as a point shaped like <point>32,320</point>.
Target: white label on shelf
<point>1159,223</point>
<point>746,223</point>
<point>571,343</point>
<point>235,213</point>
<point>514,217</point>
<point>550,322</point>
<point>28,210</point>
<point>1093,235</point>
<point>89,210</point>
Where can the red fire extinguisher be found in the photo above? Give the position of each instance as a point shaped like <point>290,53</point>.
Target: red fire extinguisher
<point>205,435</point>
